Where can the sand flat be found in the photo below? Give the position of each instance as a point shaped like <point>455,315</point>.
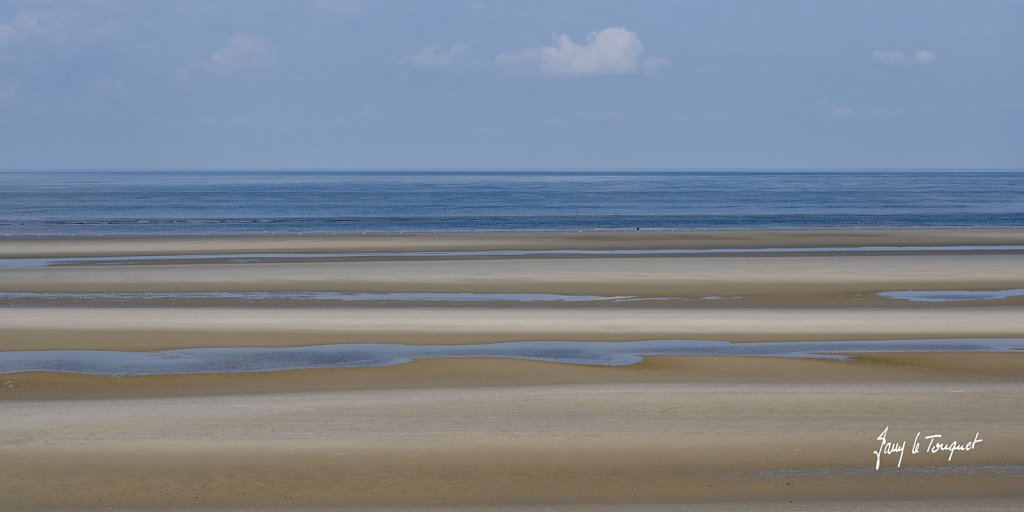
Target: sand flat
<point>655,276</point>
<point>26,247</point>
<point>706,432</point>
<point>939,367</point>
<point>166,328</point>
<point>568,444</point>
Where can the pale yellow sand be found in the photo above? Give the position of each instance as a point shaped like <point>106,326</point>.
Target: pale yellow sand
<point>164,328</point>
<point>567,444</point>
<point>818,297</point>
<point>813,276</point>
<point>672,433</point>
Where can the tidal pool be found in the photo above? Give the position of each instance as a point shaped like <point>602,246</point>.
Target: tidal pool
<point>137,297</point>
<point>952,295</point>
<point>235,360</point>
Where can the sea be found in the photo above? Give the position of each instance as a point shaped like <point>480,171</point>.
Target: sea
<point>154,202</point>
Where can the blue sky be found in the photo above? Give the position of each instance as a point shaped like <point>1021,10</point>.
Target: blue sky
<point>488,84</point>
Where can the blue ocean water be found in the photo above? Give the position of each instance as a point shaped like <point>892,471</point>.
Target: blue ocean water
<point>212,202</point>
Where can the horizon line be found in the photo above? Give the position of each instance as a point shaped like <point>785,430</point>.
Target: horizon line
<point>497,169</point>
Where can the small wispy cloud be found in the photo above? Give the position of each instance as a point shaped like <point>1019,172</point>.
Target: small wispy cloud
<point>895,58</point>
<point>242,52</point>
<point>439,56</point>
<point>924,56</point>
<point>55,25</point>
<point>113,87</point>
<point>612,51</point>
<point>888,58</point>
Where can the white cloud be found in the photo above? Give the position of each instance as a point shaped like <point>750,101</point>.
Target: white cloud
<point>243,52</point>
<point>897,58</point>
<point>54,26</point>
<point>612,51</point>
<point>438,56</point>
<point>113,87</point>
<point>889,58</point>
<point>24,25</point>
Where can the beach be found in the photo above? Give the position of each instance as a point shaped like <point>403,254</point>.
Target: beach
<point>484,433</point>
<point>481,256</point>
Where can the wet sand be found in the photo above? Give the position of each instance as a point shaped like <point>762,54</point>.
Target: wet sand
<point>49,247</point>
<point>880,368</point>
<point>565,444</point>
<point>673,432</point>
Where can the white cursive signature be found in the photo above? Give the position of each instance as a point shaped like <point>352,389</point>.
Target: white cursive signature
<point>935,445</point>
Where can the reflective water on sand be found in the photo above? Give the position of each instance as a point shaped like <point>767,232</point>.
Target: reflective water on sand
<point>140,297</point>
<point>952,295</point>
<point>233,360</point>
<point>285,256</point>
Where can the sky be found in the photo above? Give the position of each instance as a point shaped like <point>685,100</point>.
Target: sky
<point>515,84</point>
